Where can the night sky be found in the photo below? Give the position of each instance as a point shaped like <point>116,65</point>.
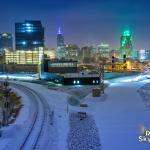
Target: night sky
<point>84,22</point>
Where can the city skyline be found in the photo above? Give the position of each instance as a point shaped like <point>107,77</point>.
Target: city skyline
<point>82,23</point>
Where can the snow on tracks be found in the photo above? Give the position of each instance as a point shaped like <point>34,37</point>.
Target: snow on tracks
<point>36,135</point>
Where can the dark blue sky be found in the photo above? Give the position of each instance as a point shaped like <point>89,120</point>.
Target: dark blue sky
<point>84,22</point>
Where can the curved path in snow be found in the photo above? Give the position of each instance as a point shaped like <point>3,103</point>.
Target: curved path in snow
<point>37,131</point>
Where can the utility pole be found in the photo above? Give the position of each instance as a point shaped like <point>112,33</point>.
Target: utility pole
<point>1,109</point>
<point>5,99</point>
<point>67,106</point>
<point>113,62</point>
<point>101,76</point>
<point>6,102</point>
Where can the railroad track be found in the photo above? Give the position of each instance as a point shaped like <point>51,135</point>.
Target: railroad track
<point>36,136</point>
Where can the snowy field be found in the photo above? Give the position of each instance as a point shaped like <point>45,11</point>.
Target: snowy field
<point>145,94</point>
<point>114,118</point>
<point>120,115</point>
<point>77,93</point>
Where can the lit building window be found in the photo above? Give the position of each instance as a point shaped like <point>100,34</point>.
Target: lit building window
<point>24,43</point>
<point>35,42</point>
<point>29,27</point>
<point>29,30</point>
<point>28,24</point>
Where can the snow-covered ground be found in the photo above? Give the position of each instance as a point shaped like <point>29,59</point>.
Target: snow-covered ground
<point>144,91</point>
<point>118,114</point>
<point>11,132</point>
<point>19,76</point>
<point>59,129</point>
<point>57,102</point>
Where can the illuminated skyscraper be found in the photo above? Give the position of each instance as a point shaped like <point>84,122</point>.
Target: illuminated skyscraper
<point>60,38</point>
<point>29,35</point>
<point>60,53</point>
<point>6,41</point>
<point>126,44</point>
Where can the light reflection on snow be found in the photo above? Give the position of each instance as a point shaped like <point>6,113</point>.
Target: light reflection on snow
<point>141,78</point>
<point>135,79</point>
<point>19,76</point>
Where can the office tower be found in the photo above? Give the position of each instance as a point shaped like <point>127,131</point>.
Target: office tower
<point>60,53</point>
<point>60,38</point>
<point>29,35</point>
<point>104,50</point>
<point>6,41</point>
<point>87,54</point>
<point>72,51</point>
<point>126,44</point>
<point>144,55</point>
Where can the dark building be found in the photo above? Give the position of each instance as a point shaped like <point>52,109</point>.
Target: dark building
<point>93,80</point>
<point>29,35</point>
<point>60,66</point>
<point>6,41</point>
<point>66,72</point>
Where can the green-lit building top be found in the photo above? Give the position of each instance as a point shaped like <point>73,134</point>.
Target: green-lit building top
<point>126,44</point>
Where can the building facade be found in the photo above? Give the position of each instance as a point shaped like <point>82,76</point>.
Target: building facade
<point>24,56</point>
<point>29,35</point>
<point>6,41</point>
